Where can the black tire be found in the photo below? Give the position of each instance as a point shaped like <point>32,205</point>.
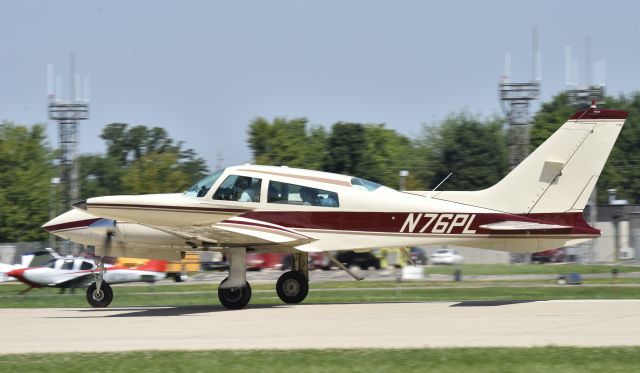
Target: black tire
<point>234,298</point>
<point>292,287</point>
<point>99,299</point>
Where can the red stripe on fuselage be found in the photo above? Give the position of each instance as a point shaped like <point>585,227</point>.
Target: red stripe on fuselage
<point>393,222</point>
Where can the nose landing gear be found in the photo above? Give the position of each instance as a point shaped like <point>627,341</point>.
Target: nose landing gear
<point>99,293</point>
<point>234,298</point>
<point>99,298</point>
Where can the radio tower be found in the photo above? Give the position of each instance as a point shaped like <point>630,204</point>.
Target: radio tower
<point>514,100</point>
<point>581,95</point>
<point>68,113</point>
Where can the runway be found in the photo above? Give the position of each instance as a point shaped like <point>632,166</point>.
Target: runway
<point>362,325</point>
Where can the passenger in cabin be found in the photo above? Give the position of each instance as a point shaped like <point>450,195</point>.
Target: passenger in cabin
<point>310,197</point>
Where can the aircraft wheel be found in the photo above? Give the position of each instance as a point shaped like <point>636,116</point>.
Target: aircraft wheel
<point>234,298</point>
<point>99,298</point>
<point>292,287</point>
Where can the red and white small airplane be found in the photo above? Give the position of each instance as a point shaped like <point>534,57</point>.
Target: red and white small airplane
<point>76,272</point>
<point>537,206</point>
<point>26,260</point>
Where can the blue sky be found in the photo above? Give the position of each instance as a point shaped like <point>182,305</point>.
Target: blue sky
<point>203,69</point>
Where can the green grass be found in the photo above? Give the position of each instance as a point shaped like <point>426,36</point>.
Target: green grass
<point>543,359</point>
<point>528,269</point>
<point>330,292</point>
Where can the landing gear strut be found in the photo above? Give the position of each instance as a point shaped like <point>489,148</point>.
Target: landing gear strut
<point>293,286</point>
<point>234,291</point>
<point>99,294</point>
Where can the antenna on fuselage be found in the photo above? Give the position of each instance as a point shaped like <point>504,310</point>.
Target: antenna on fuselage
<point>442,182</point>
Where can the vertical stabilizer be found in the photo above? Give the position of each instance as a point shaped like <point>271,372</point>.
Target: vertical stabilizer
<point>560,174</point>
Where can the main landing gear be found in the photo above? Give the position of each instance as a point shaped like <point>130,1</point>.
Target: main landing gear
<point>293,286</point>
<point>235,292</point>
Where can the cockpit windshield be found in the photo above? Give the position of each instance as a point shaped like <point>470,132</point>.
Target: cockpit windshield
<point>201,188</point>
<point>363,184</point>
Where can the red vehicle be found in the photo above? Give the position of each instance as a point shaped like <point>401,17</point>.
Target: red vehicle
<point>258,261</point>
<point>548,256</point>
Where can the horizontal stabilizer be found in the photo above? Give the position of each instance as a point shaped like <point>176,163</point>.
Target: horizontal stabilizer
<point>521,226</point>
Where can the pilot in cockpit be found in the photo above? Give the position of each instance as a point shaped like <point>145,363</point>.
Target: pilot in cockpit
<point>246,190</point>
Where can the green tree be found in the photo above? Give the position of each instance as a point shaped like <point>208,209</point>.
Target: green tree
<point>370,151</point>
<point>287,142</point>
<point>25,177</point>
<point>549,118</point>
<point>161,169</point>
<point>474,150</point>
<point>139,160</point>
<point>346,149</point>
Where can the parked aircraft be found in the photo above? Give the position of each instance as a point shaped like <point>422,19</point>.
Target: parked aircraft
<point>537,206</point>
<point>26,260</point>
<point>75,272</point>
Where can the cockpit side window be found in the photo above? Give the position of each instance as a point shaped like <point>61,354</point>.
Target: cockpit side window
<point>85,266</point>
<point>292,194</point>
<point>239,188</point>
<point>363,184</point>
<point>201,188</point>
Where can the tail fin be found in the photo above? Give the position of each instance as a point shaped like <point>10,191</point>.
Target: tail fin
<point>560,174</point>
<point>154,265</point>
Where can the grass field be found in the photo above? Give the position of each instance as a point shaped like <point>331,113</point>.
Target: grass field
<point>328,292</point>
<point>544,359</point>
<point>529,269</point>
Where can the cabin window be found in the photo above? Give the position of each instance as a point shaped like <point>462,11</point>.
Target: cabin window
<point>293,194</point>
<point>85,266</point>
<point>50,264</point>
<point>239,188</point>
<point>67,264</point>
<point>363,184</point>
<point>201,188</point>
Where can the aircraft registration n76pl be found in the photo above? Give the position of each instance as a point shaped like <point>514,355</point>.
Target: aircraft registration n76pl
<point>537,206</point>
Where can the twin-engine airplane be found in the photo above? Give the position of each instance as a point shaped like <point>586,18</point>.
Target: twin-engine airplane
<point>537,206</point>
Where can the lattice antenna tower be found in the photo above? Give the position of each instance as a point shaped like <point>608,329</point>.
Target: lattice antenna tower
<point>515,99</point>
<point>68,113</point>
<point>593,89</point>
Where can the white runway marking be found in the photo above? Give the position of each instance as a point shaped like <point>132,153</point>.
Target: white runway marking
<point>379,325</point>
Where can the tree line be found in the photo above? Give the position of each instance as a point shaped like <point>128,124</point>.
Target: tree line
<point>142,159</point>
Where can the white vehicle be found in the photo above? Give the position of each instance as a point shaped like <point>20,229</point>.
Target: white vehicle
<point>74,272</point>
<point>446,256</point>
<point>537,206</point>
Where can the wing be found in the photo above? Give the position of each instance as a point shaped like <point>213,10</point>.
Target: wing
<point>79,280</point>
<point>238,231</point>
